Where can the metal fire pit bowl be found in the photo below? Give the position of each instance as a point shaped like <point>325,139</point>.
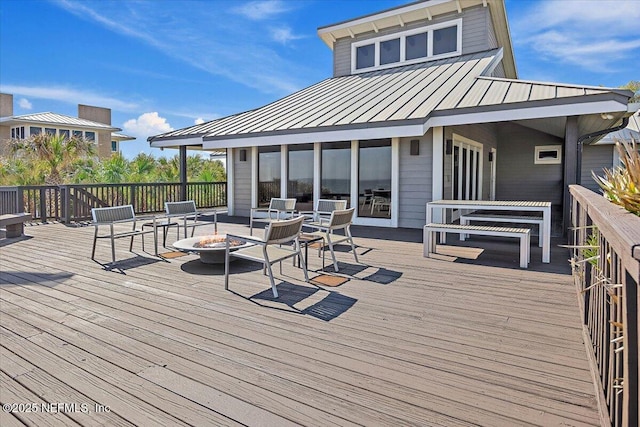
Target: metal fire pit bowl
<point>210,248</point>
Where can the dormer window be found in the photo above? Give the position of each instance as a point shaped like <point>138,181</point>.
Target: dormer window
<point>418,45</point>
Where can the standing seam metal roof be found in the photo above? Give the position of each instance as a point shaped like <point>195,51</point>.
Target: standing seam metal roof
<point>59,119</point>
<point>390,96</point>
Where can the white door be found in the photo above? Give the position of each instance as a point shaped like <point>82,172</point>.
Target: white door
<point>466,169</point>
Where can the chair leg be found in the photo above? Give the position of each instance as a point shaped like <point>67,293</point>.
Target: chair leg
<point>303,263</point>
<point>113,249</point>
<point>95,237</point>
<point>273,282</point>
<point>353,246</point>
<point>226,267</point>
<point>251,226</point>
<point>333,255</point>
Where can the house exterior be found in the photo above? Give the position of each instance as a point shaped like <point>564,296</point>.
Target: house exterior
<point>424,104</point>
<point>92,123</point>
<point>603,154</point>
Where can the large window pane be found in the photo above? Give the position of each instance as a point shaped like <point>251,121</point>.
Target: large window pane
<point>300,185</point>
<point>35,130</point>
<point>90,136</point>
<point>336,170</point>
<point>268,174</point>
<point>390,51</point>
<point>374,178</point>
<point>365,56</point>
<point>445,40</point>
<point>416,46</point>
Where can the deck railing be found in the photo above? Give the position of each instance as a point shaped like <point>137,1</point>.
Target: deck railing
<point>606,269</point>
<point>70,203</point>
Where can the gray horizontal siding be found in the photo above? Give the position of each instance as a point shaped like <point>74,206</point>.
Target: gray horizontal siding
<point>595,158</point>
<point>242,183</point>
<point>519,178</point>
<point>415,182</point>
<point>476,23</point>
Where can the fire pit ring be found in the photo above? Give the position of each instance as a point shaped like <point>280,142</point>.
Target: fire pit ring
<point>210,248</point>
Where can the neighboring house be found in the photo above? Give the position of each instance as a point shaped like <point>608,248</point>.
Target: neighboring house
<point>424,104</point>
<point>92,123</point>
<point>603,154</point>
<point>117,138</point>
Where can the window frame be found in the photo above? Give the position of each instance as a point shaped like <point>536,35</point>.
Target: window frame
<point>547,161</point>
<point>375,41</point>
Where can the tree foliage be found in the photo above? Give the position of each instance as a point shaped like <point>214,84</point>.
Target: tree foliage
<point>56,159</point>
<point>633,86</point>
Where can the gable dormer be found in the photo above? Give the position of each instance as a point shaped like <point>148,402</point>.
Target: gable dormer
<point>420,32</point>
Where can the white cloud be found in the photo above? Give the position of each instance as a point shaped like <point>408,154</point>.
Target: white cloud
<point>198,121</point>
<point>283,35</point>
<point>25,104</point>
<point>261,9</point>
<point>593,35</point>
<point>70,96</point>
<point>201,28</point>
<point>148,124</point>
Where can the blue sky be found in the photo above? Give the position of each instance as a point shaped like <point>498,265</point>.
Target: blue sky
<point>167,64</point>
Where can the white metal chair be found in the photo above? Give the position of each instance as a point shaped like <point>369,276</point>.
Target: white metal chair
<point>324,208</point>
<point>278,209</point>
<point>117,218</point>
<point>340,220</point>
<point>268,251</point>
<point>190,215</point>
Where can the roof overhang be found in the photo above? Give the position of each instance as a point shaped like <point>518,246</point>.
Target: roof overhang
<point>609,103</point>
<point>329,134</point>
<point>527,113</point>
<point>531,113</point>
<point>421,10</point>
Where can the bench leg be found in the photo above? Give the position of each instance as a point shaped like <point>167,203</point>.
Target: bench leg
<point>425,242</point>
<point>524,252</point>
<point>540,234</point>
<point>463,236</point>
<point>15,230</point>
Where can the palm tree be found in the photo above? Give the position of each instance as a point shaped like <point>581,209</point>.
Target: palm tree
<point>52,155</point>
<point>141,168</point>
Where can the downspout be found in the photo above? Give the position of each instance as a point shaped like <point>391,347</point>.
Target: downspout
<point>625,122</point>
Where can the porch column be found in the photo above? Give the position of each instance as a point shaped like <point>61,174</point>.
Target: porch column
<point>570,155</point>
<point>317,178</point>
<point>230,181</point>
<point>183,172</point>
<point>437,174</point>
<point>284,170</point>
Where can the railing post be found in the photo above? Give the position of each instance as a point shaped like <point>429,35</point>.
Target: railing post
<point>43,204</point>
<point>66,202</point>
<point>20,199</point>
<point>630,363</point>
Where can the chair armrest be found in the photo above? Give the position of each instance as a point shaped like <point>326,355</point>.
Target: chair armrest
<point>252,239</point>
<point>317,225</point>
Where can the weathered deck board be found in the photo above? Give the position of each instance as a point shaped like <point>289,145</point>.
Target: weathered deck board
<point>407,340</point>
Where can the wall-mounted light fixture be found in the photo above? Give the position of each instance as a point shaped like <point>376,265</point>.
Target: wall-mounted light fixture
<point>448,147</point>
<point>243,155</point>
<point>415,147</point>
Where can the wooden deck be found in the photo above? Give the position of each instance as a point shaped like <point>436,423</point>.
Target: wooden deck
<point>405,341</point>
